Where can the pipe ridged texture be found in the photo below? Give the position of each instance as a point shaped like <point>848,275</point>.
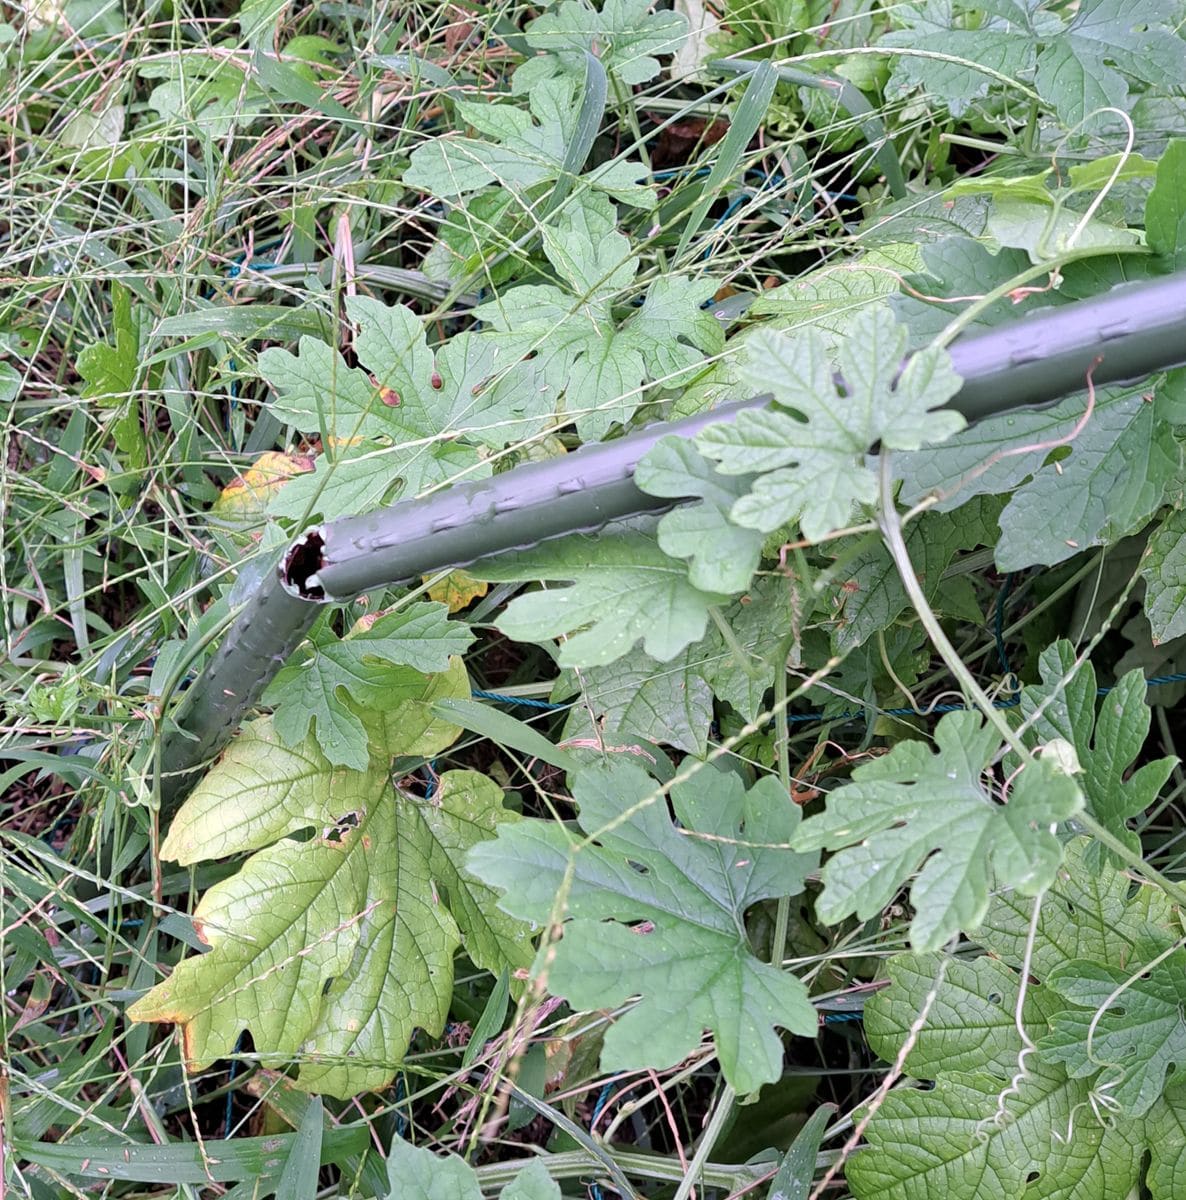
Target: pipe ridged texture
<point>1123,335</point>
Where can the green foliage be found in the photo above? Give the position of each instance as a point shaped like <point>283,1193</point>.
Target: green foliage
<point>1109,485</point>
<point>581,351</point>
<point>331,675</point>
<point>812,463</point>
<point>723,556</point>
<point>1079,61</point>
<point>1164,572</point>
<point>624,589</point>
<point>938,810</point>
<point>111,371</point>
<point>417,1174</point>
<point>623,34</point>
<point>1126,1021</point>
<point>519,150</point>
<point>417,419</point>
<point>640,698</point>
<point>354,947</point>
<point>1165,213</point>
<point>1006,1119</point>
<point>500,232</point>
<point>1063,706</point>
<point>652,908</point>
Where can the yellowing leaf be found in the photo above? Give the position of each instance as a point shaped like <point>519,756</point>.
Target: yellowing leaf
<point>245,498</point>
<point>332,950</point>
<point>457,589</point>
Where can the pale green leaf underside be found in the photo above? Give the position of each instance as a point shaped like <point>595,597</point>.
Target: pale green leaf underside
<point>624,589</point>
<point>415,1173</point>
<point>813,456</point>
<point>357,907</point>
<point>332,950</point>
<point>914,810</point>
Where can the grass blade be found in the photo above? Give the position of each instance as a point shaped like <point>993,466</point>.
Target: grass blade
<point>745,124</point>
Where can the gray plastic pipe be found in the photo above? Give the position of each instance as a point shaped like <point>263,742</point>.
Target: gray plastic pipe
<point>1123,335</point>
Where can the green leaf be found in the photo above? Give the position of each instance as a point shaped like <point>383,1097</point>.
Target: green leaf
<point>797,1169</point>
<point>330,677</point>
<point>303,1164</point>
<point>504,730</point>
<point>1101,486</point>
<point>254,1159</point>
<point>1164,572</point>
<point>354,947</point>
<point>691,960</point>
<point>111,371</point>
<point>871,589</point>
<point>1165,1132</point>
<point>1165,210</point>
<point>417,1174</point>
<point>637,697</point>
<point>758,622</point>
<point>831,297</point>
<point>598,363</point>
<point>623,35</point>
<point>1001,1122</point>
<point>915,809</point>
<point>357,905</point>
<point>624,589</point>
<point>1129,1021</point>
<point>724,556</point>
<point>414,420</point>
<point>1078,66</point>
<point>813,464</point>
<point>1107,745</point>
<point>1089,914</point>
<point>524,150</point>
<point>10,382</point>
<point>971,1025</point>
<point>414,1173</point>
<point>959,269</point>
<point>950,1142</point>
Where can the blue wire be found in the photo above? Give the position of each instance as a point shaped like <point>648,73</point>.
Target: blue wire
<point>602,1101</point>
<point>500,698</point>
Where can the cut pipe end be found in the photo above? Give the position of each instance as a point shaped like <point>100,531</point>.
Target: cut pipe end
<point>298,571</point>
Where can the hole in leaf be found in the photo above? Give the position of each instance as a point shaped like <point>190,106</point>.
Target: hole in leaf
<point>994,997</point>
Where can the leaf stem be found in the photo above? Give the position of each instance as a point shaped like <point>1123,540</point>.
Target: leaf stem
<point>748,662</point>
<point>956,326</point>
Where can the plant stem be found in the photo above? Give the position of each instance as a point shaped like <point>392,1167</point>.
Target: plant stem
<point>891,527</point>
<point>720,1114</point>
<point>782,742</point>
